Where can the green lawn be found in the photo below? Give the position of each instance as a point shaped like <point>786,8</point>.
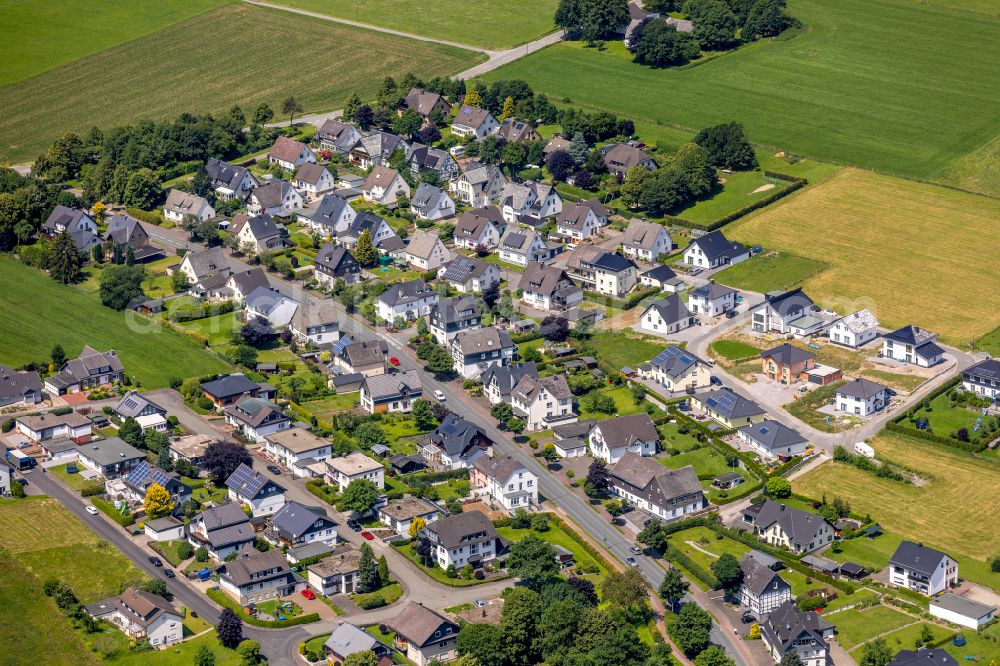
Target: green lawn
<point>741,189</point>
<point>734,349</point>
<point>622,396</point>
<point>671,438</point>
<point>557,537</point>
<point>866,83</point>
<point>75,481</point>
<point>206,56</point>
<point>905,638</point>
<point>806,409</point>
<point>623,348</point>
<point>984,646</point>
<point>436,572</point>
<point>390,593</point>
<point>168,549</point>
<point>180,655</point>
<point>147,350</point>
<point>326,408</point>
<point>217,329</point>
<point>945,419</point>
<point>990,343</point>
<point>858,626</point>
<point>769,271</point>
<point>706,461</point>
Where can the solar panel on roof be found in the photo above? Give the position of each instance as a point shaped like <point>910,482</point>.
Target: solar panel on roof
<point>342,344</point>
<point>764,430</point>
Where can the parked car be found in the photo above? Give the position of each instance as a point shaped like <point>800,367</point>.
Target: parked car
<point>155,561</point>
<point>367,535</point>
<point>354,525</point>
<point>635,549</point>
<point>748,619</point>
<point>695,271</point>
<point>631,561</point>
<point>169,573</point>
<point>714,381</point>
<point>92,510</point>
<point>308,594</point>
<point>274,469</point>
<point>731,313</point>
<point>394,360</point>
<point>439,395</point>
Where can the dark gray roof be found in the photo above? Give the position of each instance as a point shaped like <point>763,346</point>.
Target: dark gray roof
<point>988,370</point>
<point>672,309</point>
<point>472,342</point>
<point>230,385</point>
<point>63,217</point>
<point>800,526</point>
<point>406,292</point>
<point>473,221</point>
<point>418,625</point>
<point>246,482</point>
<point>381,387</point>
<point>571,430</point>
<point>861,388</point>
<point>248,281</point>
<point>528,388</point>
<point>208,261</point>
<point>132,403</point>
<point>251,566</point>
<point>786,624</point>
<point>757,577</point>
<point>110,451</point>
<point>499,468</point>
<point>456,436</point>
<point>14,385</point>
<point>910,335</point>
<point>331,208</point>
<point>262,226</point>
<point>784,302</point>
<point>222,516</point>
<point>450,310</point>
<point>963,605</point>
<point>348,639</point>
<point>426,198</point>
<point>333,256</point>
<point>654,482</point>
<point>461,269</point>
<point>624,430</point>
<point>225,174</point>
<point>787,354</point>
<point>453,531</point>
<point>367,352</point>
<point>430,158</point>
<point>611,261</point>
<point>923,657</point>
<point>918,557</point>
<point>712,291</point>
<point>507,377</point>
<point>122,228</point>
<point>293,520</point>
<point>730,404</point>
<point>661,273</point>
<point>772,435</point>
<point>675,361</point>
<point>715,245</point>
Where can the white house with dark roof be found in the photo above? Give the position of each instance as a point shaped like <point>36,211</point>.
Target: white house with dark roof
<point>142,616</point>
<point>676,369</point>
<point>611,439</point>
<point>431,203</point>
<point>529,202</point>
<point>313,180</point>
<point>70,220</point>
<point>861,397</point>
<point>46,426</point>
<point>499,381</point>
<point>916,567</point>
<point>855,329</point>
<point>781,525</point>
<point>613,274</point>
<point>424,635</point>
<point>89,370</point>
<point>376,226</point>
<point>479,227</point>
<point>408,300</point>
<point>316,322</point>
<point>667,315</point>
<point>548,288</point>
<point>505,481</point>
<point>961,610</point>
<point>335,262</point>
<point>663,278</point>
<point>582,221</point>
<point>983,378</point>
<point>474,122</point>
<point>277,198</point>
<point>230,181</point>
<point>912,344</point>
<point>271,305</point>
<point>254,577</point>
<point>427,159</point>
<point>348,639</point>
<point>773,440</point>
<point>222,530</point>
<point>385,186</point>
<point>455,444</point>
<point>542,402</point>
<point>727,407</point>
<point>134,404</point>
<point>714,250</point>
<point>364,357</point>
<point>181,204</point>
<point>462,538</point>
<point>522,246</point>
<point>290,154</point>
<point>111,457</point>
<point>296,524</point>
<point>204,264</point>
<point>376,149</point>
<point>19,387</point>
<point>479,185</point>
<point>475,351</point>
<point>127,232</point>
<point>425,251</point>
<point>761,589</point>
<point>712,299</point>
<point>242,284</point>
<point>451,316</point>
<point>667,494</point>
<point>332,216</point>
<point>787,630</point>
<point>336,574</point>
<point>250,488</point>
<point>469,274</point>
<point>645,240</point>
<point>255,418</point>
<point>779,311</point>
<point>296,449</point>
<point>390,393</point>
<point>399,514</point>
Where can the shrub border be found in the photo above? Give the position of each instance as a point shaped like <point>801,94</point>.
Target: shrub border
<point>219,597</point>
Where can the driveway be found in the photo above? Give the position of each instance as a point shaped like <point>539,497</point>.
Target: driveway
<point>194,423</point>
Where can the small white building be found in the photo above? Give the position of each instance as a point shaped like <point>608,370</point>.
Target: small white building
<point>290,154</point>
<point>399,514</point>
<point>352,467</point>
<point>667,494</point>
<point>252,489</point>
<point>714,250</point>
<point>921,569</point>
<point>855,329</point>
<point>505,481</point>
<point>385,186</point>
<point>666,316</point>
<point>582,221</point>
<point>167,528</point>
<point>773,440</point>
<point>962,611</point>
<point>645,240</point>
<point>911,344</point>
<point>761,590</point>
<point>462,538</point>
<point>390,393</point>
<point>861,397</point>
<point>712,299</point>
<point>543,402</point>
<point>425,251</point>
<point>474,122</point>
<point>180,205</point>
<point>141,615</point>
<point>314,180</point>
<point>473,351</point>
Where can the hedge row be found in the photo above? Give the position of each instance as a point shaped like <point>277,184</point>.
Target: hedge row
<point>435,477</point>
<point>521,338</point>
<point>575,536</point>
<point>706,577</point>
<point>223,600</point>
<point>110,512</point>
<point>794,184</point>
<point>626,303</point>
<point>145,216</point>
<point>201,311</point>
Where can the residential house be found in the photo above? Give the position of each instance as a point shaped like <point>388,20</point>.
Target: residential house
<point>221,530</point>
<point>645,240</point>
<point>255,418</point>
<point>475,350</point>
<point>296,524</point>
<point>338,136</point>
<point>352,467</point>
<point>210,265</point>
<point>474,122</point>
<point>313,180</point>
<point>571,440</point>
<point>620,157</point>
<point>296,449</point>
<point>611,439</point>
<point>290,154</point>
<point>962,611</point>
<point>376,149</point>
<point>277,198</point>
<point>855,329</point>
<point>190,448</point>
<point>548,288</point>
<point>712,299</point>
<point>149,415</point>
<point>427,103</point>
<point>426,159</point>
<point>254,577</point>
<point>614,275</point>
<point>714,250</point>
<point>87,371</point>
<point>390,393</point>
<point>383,236</point>
<point>557,142</point>
<point>468,274</point>
<point>780,310</point>
<point>230,181</point>
<point>408,300</point>
<point>331,217</point>
<point>787,630</point>
<point>911,344</point>
<point>425,251</point>
<point>456,444</point>
<point>258,231</point>
<point>142,616</point>
<point>667,315</point>
<point>479,227</point>
<point>727,407</point>
<point>916,567</point>
<point>667,494</point>
<point>462,538</point>
<point>365,357</point>
<point>761,589</point>
<point>19,388</point>
<point>126,232</point>
<point>663,278</point>
<point>133,485</point>
<point>71,220</point>
<point>983,378</point>
<point>787,364</point>
<point>542,402</point>
<point>499,381</point>
<point>529,203</point>
<point>348,639</point>
<point>227,389</point>
<point>271,305</point>
<point>677,370</point>
<point>385,186</point>
<point>250,488</point>
<point>773,440</point>
<point>861,397</point>
<point>582,221</point>
<point>111,457</point>
<point>431,203</point>
<point>783,526</point>
<point>513,130</point>
<point>336,574</point>
<point>180,205</point>
<point>505,481</point>
<point>424,635</point>
<point>242,284</point>
<point>399,514</point>
<point>923,656</point>
<point>46,426</point>
<point>522,246</point>
<point>451,316</point>
<point>480,185</point>
<point>316,323</point>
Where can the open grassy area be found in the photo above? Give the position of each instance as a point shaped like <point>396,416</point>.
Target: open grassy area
<point>168,550</point>
<point>623,348</point>
<point>865,83</point>
<point>990,343</point>
<point>326,408</point>
<point>557,537</point>
<point>741,189</point>
<point>75,481</point>
<point>207,57</point>
<point>904,638</point>
<point>671,437</point>
<point>944,419</point>
<point>984,646</point>
<point>180,655</point>
<point>872,554</point>
<point>218,329</point>
<point>734,350</point>
<point>769,271</point>
<point>858,626</point>
<point>454,20</point>
<point>834,222</point>
<point>704,460</point>
<point>147,350</point>
<point>624,402</point>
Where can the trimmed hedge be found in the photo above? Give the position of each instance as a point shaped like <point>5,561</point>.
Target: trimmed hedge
<point>145,216</point>
<point>435,477</point>
<point>220,597</point>
<point>706,577</point>
<point>794,184</point>
<point>583,543</point>
<point>109,510</point>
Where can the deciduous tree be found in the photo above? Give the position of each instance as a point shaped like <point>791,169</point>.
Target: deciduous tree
<point>121,286</point>
<point>691,631</point>
<point>662,45</point>
<point>359,496</point>
<point>223,457</point>
<point>533,561</point>
<point>290,107</point>
<point>229,629</point>
<point>158,502</point>
<point>673,587</point>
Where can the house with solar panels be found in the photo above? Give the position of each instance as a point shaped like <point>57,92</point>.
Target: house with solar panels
<point>727,407</point>
<point>855,329</point>
<point>252,489</point>
<point>912,344</point>
<point>132,486</point>
<point>983,378</point>
<point>469,274</point>
<point>456,444</point>
<point>773,440</point>
<point>677,370</point>
<point>147,413</point>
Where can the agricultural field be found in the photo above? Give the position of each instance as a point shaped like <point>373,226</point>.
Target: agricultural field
<point>149,352</point>
<point>863,84</point>
<point>452,20</point>
<point>206,57</point>
<point>863,221</point>
<point>770,271</point>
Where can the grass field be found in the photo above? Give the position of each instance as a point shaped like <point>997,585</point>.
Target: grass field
<point>217,329</point>
<point>944,419</point>
<point>150,352</point>
<point>207,57</point>
<point>740,189</point>
<point>855,627</point>
<point>897,232</point>
<point>990,343</point>
<point>623,348</point>
<point>769,271</point>
<point>704,460</point>
<point>734,350</point>
<point>866,83</point>
<point>453,20</point>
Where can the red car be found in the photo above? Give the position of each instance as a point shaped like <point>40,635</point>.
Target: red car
<point>308,594</point>
<point>394,360</point>
<point>368,535</point>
